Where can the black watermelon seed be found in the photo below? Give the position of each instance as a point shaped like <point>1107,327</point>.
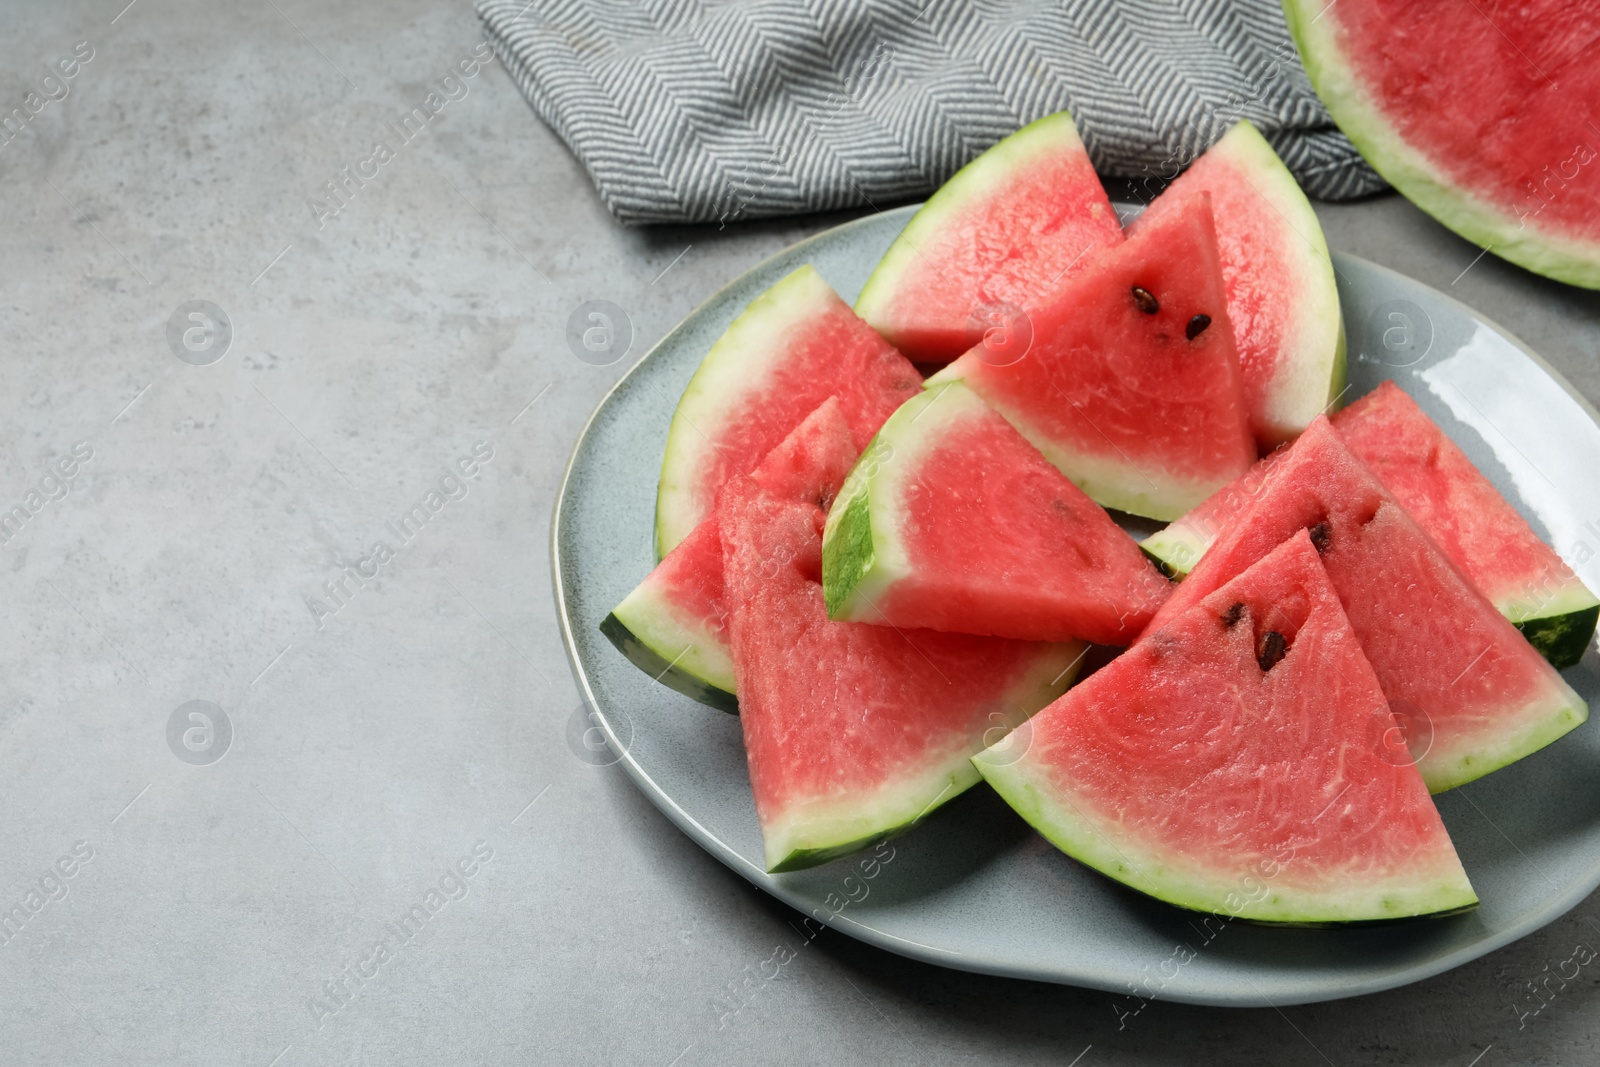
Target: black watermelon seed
<point>1197,326</point>
<point>1270,648</point>
<point>1146,300</point>
<point>1321,534</point>
<point>1230,618</point>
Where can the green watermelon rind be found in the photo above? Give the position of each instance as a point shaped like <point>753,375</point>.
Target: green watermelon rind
<point>1356,900</point>
<point>1176,548</point>
<point>1315,383</point>
<point>1312,24</point>
<point>862,558</point>
<point>1562,638</point>
<point>827,829</point>
<point>847,834</point>
<point>973,183</point>
<point>735,367</point>
<point>678,652</point>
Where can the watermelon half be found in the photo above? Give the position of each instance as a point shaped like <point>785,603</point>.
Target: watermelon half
<point>1006,228</point>
<point>952,521</point>
<point>1484,536</point>
<point>1454,670</point>
<point>1482,114</point>
<point>1242,761</point>
<point>795,345</point>
<point>673,626</point>
<point>1282,300</point>
<point>854,733</point>
<point>1131,385</point>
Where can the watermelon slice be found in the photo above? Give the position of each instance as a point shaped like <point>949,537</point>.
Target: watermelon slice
<point>1482,534</point>
<point>1466,516</point>
<point>1241,761</point>
<point>1282,300</point>
<point>1481,114</point>
<point>1452,667</point>
<point>795,345</point>
<point>854,733</point>
<point>952,521</point>
<point>1003,230</point>
<point>1178,546</point>
<point>1131,386</point>
<point>673,625</point>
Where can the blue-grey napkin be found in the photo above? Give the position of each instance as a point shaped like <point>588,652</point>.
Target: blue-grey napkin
<point>693,111</point>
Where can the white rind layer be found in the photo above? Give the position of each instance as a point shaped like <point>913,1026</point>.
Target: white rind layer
<point>1272,890</point>
<point>686,644</point>
<point>1053,135</point>
<point>739,365</point>
<point>1311,375</point>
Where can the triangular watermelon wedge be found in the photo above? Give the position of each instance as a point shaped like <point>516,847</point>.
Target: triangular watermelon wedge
<point>1131,384</point>
<point>1483,535</point>
<point>1242,761</point>
<point>854,733</point>
<point>673,626</point>
<point>1464,684</point>
<point>793,347</point>
<point>1004,230</point>
<point>1282,299</point>
<point>952,521</point>
<point>1433,480</point>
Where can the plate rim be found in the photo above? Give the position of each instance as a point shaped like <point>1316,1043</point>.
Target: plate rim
<point>1554,908</point>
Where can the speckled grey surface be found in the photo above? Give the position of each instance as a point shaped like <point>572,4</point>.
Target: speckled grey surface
<point>430,709</point>
<point>974,888</point>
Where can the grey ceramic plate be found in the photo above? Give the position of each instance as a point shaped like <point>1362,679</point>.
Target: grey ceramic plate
<point>976,888</point>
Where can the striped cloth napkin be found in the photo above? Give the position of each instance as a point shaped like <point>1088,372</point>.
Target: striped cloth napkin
<point>694,111</point>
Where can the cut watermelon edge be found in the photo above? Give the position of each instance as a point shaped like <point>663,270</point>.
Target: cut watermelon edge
<point>972,182</point>
<point>1315,385</point>
<point>859,567</point>
<point>1561,625</point>
<point>825,830</point>
<point>1107,483</point>
<point>712,393</point>
<point>828,828</point>
<point>1063,823</point>
<point>645,629</point>
<point>1409,171</point>
<point>1551,719</point>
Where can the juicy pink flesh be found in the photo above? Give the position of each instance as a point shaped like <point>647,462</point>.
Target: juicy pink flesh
<point>1186,745</point>
<point>1501,97</point>
<point>1000,542</point>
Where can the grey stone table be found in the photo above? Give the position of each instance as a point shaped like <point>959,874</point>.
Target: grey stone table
<point>379,359</point>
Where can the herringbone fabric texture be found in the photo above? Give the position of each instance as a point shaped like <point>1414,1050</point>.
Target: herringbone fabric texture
<point>693,111</point>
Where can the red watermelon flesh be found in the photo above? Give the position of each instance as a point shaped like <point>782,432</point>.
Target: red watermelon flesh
<point>794,346</point>
<point>1241,760</point>
<point>1282,300</point>
<point>1428,475</point>
<point>673,625</point>
<point>1003,230</point>
<point>1466,686</point>
<point>1467,517</point>
<point>952,521</point>
<point>852,732</point>
<point>1482,113</point>
<point>1131,386</point>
